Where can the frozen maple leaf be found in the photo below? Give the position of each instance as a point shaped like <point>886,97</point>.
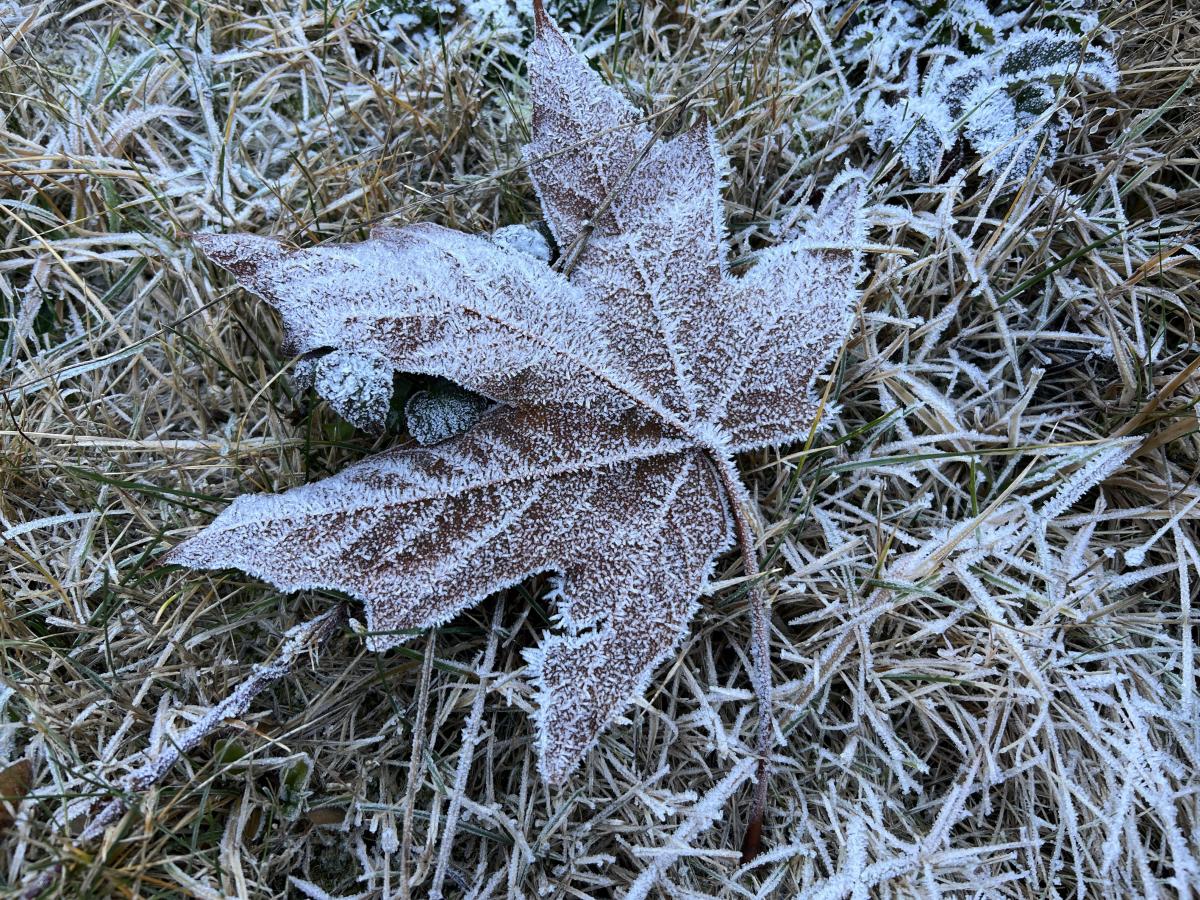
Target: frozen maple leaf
<point>621,393</point>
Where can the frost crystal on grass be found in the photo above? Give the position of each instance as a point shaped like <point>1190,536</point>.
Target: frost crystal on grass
<point>622,392</point>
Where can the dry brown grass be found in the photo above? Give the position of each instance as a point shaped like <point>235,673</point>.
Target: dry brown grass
<point>972,698</point>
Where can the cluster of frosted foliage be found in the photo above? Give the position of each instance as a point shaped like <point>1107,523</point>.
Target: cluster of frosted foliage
<point>622,390</point>
<point>984,78</point>
<point>358,386</point>
<point>413,20</point>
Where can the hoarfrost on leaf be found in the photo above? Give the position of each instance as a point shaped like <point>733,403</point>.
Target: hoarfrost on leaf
<point>920,128</point>
<point>525,238</point>
<point>622,391</point>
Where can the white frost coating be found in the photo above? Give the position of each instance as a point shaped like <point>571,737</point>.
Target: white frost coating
<point>1135,556</point>
<point>47,522</point>
<point>699,819</point>
<point>316,892</point>
<point>470,737</point>
<point>622,388</point>
<point>1002,97</point>
<point>298,639</point>
<point>1105,461</point>
<point>8,730</point>
<point>525,238</point>
<point>358,386</point>
<point>433,416</point>
<point>920,128</point>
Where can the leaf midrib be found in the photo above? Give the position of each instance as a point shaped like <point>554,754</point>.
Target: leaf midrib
<point>539,475</point>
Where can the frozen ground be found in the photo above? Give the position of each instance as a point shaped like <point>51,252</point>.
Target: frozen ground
<point>982,570</point>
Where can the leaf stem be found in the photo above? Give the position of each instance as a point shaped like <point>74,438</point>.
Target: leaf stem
<point>760,651</point>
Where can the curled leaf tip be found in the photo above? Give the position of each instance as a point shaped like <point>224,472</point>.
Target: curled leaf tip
<point>239,253</point>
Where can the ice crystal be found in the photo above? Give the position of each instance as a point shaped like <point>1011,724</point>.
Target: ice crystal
<point>622,391</point>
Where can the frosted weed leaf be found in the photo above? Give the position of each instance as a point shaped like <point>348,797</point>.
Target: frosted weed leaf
<point>525,238</point>
<point>442,412</point>
<point>358,386</point>
<point>622,393</point>
<point>1000,93</point>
